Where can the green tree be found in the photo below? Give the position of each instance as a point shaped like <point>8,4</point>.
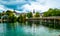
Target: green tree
<point>29,15</point>
<point>9,13</point>
<point>37,14</point>
<point>22,18</point>
<point>52,12</point>
<point>11,16</point>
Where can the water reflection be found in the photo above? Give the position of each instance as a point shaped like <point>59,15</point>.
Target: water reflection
<point>10,29</point>
<point>30,28</point>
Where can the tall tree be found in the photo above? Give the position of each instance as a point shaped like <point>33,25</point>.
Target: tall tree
<point>37,14</point>
<point>52,12</point>
<point>29,15</point>
<point>11,15</point>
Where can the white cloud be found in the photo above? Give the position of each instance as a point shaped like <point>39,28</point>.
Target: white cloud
<point>41,1</point>
<point>53,3</point>
<point>2,8</point>
<point>12,2</point>
<point>41,5</point>
<point>36,6</point>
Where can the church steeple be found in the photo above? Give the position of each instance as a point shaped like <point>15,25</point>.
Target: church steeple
<point>33,10</point>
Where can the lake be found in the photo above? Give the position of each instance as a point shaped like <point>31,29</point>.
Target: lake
<point>28,29</point>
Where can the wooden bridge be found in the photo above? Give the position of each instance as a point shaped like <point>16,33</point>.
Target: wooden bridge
<point>45,19</point>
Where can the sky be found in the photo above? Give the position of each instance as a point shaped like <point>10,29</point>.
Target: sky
<point>28,5</point>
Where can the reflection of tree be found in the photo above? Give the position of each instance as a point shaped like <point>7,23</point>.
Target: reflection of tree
<point>37,22</point>
<point>33,22</point>
<point>29,23</point>
<point>22,24</point>
<point>10,29</point>
<point>51,25</point>
<point>10,26</point>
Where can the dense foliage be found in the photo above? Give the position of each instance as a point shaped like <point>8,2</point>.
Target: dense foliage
<point>52,12</point>
<point>21,18</point>
<point>37,14</point>
<point>11,15</point>
<point>29,15</point>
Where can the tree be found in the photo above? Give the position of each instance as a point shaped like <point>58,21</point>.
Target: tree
<point>29,15</point>
<point>37,14</point>
<point>22,18</point>
<point>9,13</point>
<point>52,12</point>
<point>11,16</point>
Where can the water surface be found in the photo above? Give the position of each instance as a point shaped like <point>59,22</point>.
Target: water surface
<point>27,29</point>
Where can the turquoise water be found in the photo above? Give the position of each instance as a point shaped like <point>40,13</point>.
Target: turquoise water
<point>27,29</point>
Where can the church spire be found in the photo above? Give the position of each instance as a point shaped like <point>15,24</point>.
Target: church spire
<point>33,10</point>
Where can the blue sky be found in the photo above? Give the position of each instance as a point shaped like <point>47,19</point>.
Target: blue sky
<point>28,5</point>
